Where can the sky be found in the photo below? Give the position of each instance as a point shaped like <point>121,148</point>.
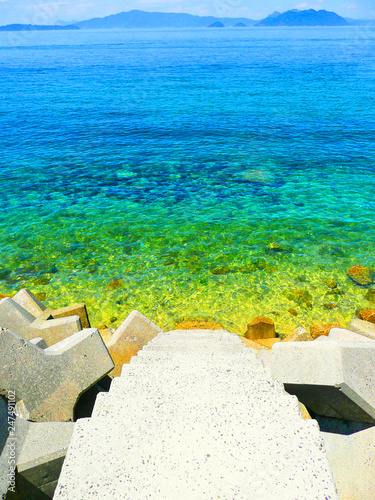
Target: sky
<point>50,11</point>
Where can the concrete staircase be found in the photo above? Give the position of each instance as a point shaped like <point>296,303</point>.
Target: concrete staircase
<point>196,416</point>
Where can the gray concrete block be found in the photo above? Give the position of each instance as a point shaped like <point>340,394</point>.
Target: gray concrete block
<point>14,317</point>
<point>4,480</point>
<point>41,457</point>
<point>44,442</point>
<point>136,327</point>
<point>73,310</point>
<point>352,459</point>
<point>332,378</point>
<point>362,327</point>
<point>13,431</point>
<point>28,301</point>
<point>347,336</point>
<point>55,330</point>
<point>40,342</point>
<point>48,382</point>
<point>130,337</point>
<point>188,425</point>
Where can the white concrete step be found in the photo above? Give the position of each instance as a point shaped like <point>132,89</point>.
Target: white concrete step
<point>188,381</point>
<point>207,355</point>
<point>196,340</point>
<point>186,460</point>
<point>194,347</point>
<point>194,418</point>
<point>241,407</point>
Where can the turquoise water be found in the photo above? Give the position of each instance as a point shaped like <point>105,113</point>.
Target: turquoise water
<point>189,173</point>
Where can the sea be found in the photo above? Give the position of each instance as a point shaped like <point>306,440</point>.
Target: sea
<point>191,174</point>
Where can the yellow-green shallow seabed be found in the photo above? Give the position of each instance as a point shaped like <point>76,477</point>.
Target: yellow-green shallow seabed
<point>180,286</point>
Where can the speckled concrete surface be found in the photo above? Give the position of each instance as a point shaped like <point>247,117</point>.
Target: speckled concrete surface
<point>353,460</point>
<point>196,416</point>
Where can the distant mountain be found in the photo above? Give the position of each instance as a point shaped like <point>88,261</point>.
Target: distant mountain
<point>240,25</point>
<point>141,19</point>
<point>304,18</point>
<point>217,24</point>
<point>360,22</point>
<point>36,27</point>
<point>274,14</point>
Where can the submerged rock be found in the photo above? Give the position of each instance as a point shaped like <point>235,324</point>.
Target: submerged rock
<point>115,283</point>
<point>367,315</point>
<point>41,280</point>
<point>329,305</point>
<point>319,329</point>
<point>41,296</point>
<point>362,276</point>
<point>220,270</point>
<point>293,312</point>
<point>334,250</point>
<point>301,279</point>
<point>335,293</point>
<point>278,248</point>
<point>251,267</point>
<point>260,327</point>
<point>262,176</point>
<point>301,297</point>
<point>92,268</point>
<point>331,283</point>
<point>300,334</point>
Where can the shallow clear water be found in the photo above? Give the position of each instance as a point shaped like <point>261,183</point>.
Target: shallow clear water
<point>189,173</point>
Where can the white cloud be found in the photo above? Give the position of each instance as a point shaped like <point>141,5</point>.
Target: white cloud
<point>350,6</point>
<point>316,5</point>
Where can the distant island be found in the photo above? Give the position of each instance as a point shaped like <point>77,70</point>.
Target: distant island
<point>309,17</point>
<point>142,19</point>
<point>218,24</point>
<point>136,19</point>
<point>37,27</point>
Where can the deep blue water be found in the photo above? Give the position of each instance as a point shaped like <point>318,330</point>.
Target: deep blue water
<point>215,173</point>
